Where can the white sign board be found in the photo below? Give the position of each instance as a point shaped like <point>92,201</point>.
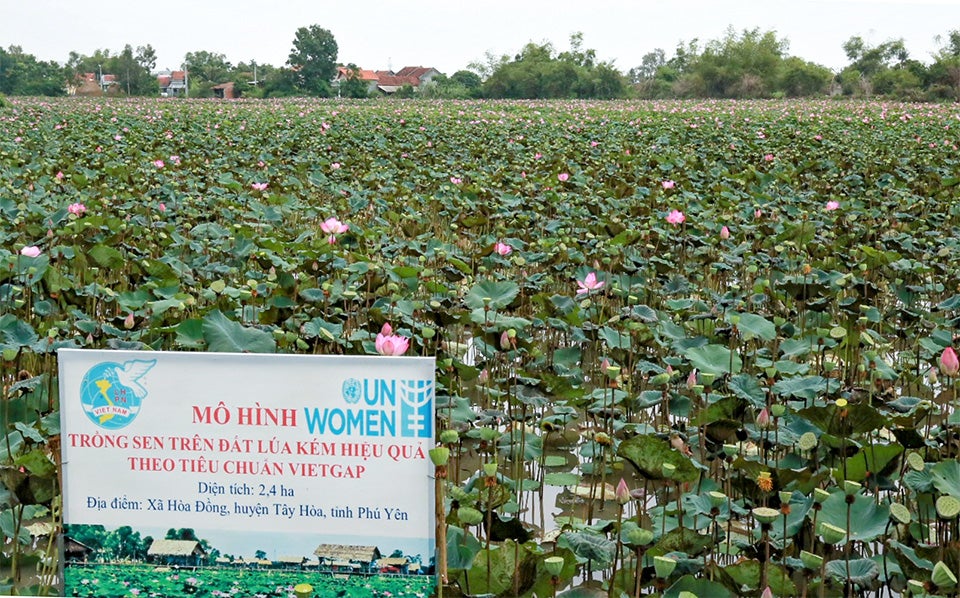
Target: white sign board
<point>252,451</point>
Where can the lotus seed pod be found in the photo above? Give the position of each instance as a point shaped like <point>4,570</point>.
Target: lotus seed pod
<point>832,534</point>
<point>660,379</point>
<point>490,469</point>
<point>850,487</point>
<point>469,516</point>
<point>664,566</point>
<point>948,507</point>
<point>554,565</point>
<point>639,537</point>
<point>810,560</point>
<point>439,455</point>
<point>808,441</point>
<point>785,497</point>
<point>716,498</point>
<point>820,495</point>
<point>667,470</point>
<point>778,410</point>
<point>915,461</point>
<point>900,513</point>
<point>942,576</point>
<point>488,434</point>
<point>686,594</point>
<point>766,514</point>
<point>731,449</point>
<point>916,587</point>
<point>303,590</point>
<point>449,437</point>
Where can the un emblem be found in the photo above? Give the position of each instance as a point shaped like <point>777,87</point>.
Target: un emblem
<point>351,389</point>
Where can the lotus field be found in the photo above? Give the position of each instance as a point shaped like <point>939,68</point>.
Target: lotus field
<point>699,347</point>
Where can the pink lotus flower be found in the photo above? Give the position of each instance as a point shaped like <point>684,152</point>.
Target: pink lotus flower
<point>129,322</point>
<point>456,180</point>
<point>175,160</point>
<point>768,157</point>
<point>30,251</point>
<point>724,233</point>
<point>332,226</point>
<point>502,248</point>
<point>589,283</point>
<point>676,217</point>
<point>757,214</point>
<point>77,209</point>
<point>162,207</point>
<point>949,363</point>
<point>831,205</point>
<point>692,379</point>
<point>158,163</point>
<point>259,186</point>
<point>335,166</point>
<point>59,175</point>
<point>563,176</point>
<point>668,184</point>
<point>388,343</point>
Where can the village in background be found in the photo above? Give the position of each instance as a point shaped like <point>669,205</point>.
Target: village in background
<point>94,545</point>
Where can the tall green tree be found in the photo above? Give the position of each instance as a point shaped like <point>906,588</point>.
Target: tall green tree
<point>314,60</point>
<point>22,74</point>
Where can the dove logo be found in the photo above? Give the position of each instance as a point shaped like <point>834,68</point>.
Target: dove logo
<point>111,393</point>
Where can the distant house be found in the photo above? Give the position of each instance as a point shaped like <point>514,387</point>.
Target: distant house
<point>348,558</point>
<point>172,83</point>
<point>75,551</point>
<point>290,562</point>
<point>186,553</point>
<point>388,82</point>
<point>87,84</point>
<point>394,565</point>
<point>225,91</point>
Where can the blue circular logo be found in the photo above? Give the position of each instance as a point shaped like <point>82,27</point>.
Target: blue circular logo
<point>111,393</point>
<point>352,390</point>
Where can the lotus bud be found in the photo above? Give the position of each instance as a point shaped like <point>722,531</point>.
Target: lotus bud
<point>504,340</point>
<point>623,492</point>
<point>820,495</point>
<point>439,455</point>
<point>553,565</point>
<point>949,363</point>
<point>942,576</point>
<point>490,469</point>
<point>810,560</point>
<point>129,322</point>
<point>724,233</point>
<point>948,507</point>
<point>763,418</point>
<point>469,516</point>
<point>832,534</point>
<point>692,378</point>
<point>766,593</point>
<point>664,566</point>
<point>449,437</point>
<point>639,537</point>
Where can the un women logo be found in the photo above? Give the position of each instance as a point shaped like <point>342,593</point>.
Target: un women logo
<point>111,393</point>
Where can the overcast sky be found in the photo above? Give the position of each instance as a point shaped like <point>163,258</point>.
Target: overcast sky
<point>449,34</point>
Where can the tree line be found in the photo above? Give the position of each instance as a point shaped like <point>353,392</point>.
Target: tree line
<point>746,64</point>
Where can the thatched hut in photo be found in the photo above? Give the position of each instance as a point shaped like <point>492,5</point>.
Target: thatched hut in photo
<point>75,551</point>
<point>348,558</point>
<point>185,553</point>
<point>290,562</point>
<point>393,565</point>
